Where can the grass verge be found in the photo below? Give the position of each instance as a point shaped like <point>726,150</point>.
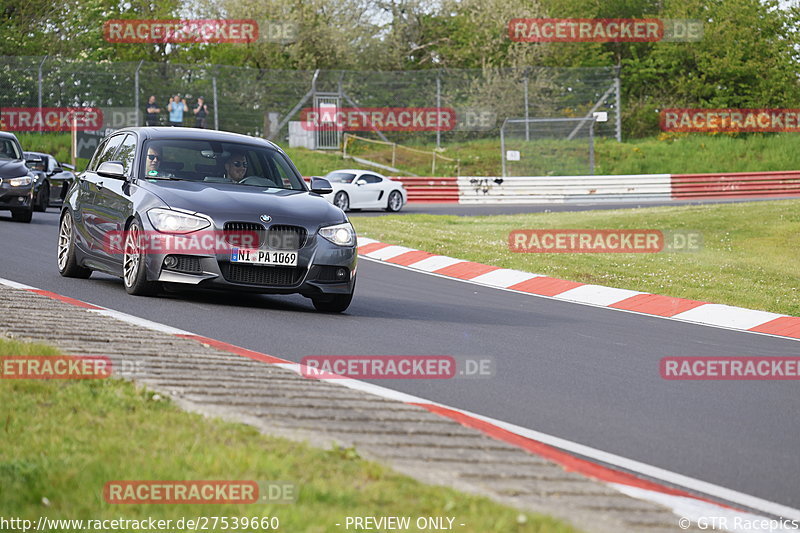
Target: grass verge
<point>750,255</point>
<point>61,441</point>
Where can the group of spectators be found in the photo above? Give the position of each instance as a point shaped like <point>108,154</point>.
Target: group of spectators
<point>176,108</point>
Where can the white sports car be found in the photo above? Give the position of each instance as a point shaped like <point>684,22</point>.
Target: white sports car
<point>364,189</point>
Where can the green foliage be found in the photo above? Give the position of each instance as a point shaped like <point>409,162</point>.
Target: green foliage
<point>747,57</point>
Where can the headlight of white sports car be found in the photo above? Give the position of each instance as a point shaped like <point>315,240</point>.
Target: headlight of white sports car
<point>169,221</point>
<point>340,234</point>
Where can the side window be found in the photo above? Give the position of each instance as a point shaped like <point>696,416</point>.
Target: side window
<point>126,152</point>
<point>110,150</point>
<point>369,178</point>
<point>51,164</point>
<point>94,162</point>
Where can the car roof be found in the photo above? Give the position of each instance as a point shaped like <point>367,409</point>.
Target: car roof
<point>7,135</point>
<point>357,171</point>
<point>41,154</point>
<point>168,132</point>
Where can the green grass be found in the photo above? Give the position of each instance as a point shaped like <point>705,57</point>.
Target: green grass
<point>750,257</point>
<point>666,154</point>
<point>61,441</point>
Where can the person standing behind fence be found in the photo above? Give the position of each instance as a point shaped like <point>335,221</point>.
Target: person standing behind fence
<point>176,108</point>
<point>151,111</point>
<point>200,113</point>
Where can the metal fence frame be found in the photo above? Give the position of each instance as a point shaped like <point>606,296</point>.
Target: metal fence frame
<point>527,121</point>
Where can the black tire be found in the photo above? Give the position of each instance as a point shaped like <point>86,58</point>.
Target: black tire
<point>395,202</point>
<point>336,303</point>
<point>134,275</point>
<point>22,215</point>
<point>43,198</point>
<point>342,201</point>
<point>67,264</point>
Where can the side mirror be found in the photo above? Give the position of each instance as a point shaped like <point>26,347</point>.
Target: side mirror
<point>111,169</point>
<point>57,170</point>
<point>321,185</point>
<point>361,182</point>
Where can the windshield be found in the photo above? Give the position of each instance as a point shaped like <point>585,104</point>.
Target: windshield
<point>9,149</point>
<point>219,162</point>
<point>340,177</point>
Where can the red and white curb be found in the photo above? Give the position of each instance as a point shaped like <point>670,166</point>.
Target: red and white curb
<point>707,314</point>
<point>692,500</point>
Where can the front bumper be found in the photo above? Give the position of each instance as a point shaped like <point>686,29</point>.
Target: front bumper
<point>15,197</point>
<point>318,261</point>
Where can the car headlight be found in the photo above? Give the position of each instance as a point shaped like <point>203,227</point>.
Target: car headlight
<point>340,234</point>
<point>20,182</point>
<point>169,221</point>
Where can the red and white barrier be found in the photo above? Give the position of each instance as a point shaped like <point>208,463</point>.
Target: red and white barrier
<point>613,188</point>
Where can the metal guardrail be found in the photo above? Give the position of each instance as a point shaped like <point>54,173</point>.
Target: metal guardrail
<point>736,185</point>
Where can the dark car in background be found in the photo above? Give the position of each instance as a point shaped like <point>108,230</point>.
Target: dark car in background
<point>52,179</point>
<point>152,185</point>
<point>16,180</point>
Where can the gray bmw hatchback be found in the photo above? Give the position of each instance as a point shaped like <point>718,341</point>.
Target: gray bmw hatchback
<point>217,210</point>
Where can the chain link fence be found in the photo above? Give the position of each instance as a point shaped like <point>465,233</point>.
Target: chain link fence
<point>264,102</point>
<point>548,146</point>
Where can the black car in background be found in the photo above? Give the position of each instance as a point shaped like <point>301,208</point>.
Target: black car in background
<point>16,180</point>
<point>149,195</point>
<point>52,179</point>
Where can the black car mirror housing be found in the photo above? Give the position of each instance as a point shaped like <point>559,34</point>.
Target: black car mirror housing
<point>320,185</point>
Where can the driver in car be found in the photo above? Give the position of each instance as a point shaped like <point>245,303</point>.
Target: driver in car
<point>153,160</point>
<point>236,167</point>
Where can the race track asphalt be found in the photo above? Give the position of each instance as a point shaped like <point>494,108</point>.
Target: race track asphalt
<point>586,374</point>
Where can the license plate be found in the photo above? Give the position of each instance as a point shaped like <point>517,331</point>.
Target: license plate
<point>263,257</point>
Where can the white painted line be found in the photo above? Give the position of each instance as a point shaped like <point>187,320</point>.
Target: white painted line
<point>136,321</point>
<point>389,252</point>
<point>363,241</point>
<point>597,295</point>
<point>698,510</point>
<point>504,277</point>
<point>375,390</point>
<point>14,284</point>
<point>728,316</point>
<point>429,264</point>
